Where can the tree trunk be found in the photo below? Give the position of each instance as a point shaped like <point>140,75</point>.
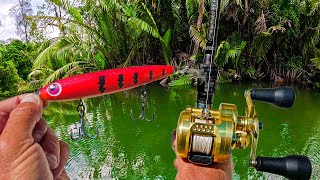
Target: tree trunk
<point>246,11</point>
<point>199,24</point>
<point>24,23</point>
<point>26,33</point>
<point>58,15</point>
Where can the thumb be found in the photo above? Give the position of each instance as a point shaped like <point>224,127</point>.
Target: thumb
<point>23,119</point>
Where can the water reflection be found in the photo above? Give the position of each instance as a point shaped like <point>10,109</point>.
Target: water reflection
<point>129,149</point>
<point>312,147</point>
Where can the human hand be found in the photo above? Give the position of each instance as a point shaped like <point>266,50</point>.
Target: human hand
<point>29,149</point>
<point>190,171</point>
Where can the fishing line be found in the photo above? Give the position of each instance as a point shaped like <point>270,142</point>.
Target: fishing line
<point>202,143</point>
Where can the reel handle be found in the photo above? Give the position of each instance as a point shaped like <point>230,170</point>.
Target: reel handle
<point>293,167</point>
<point>281,96</point>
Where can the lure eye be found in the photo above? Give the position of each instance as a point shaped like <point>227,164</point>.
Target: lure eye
<point>54,89</point>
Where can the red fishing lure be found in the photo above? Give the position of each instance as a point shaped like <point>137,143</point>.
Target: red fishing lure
<point>103,82</point>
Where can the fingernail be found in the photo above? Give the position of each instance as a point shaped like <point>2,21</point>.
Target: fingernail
<point>33,98</point>
<point>52,160</point>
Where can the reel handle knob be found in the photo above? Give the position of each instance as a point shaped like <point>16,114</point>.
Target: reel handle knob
<point>293,167</point>
<point>281,96</point>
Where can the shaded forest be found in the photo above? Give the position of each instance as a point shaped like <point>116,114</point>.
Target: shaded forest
<point>265,40</point>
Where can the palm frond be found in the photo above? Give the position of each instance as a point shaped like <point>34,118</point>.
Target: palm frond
<point>182,81</point>
<point>192,9</point>
<point>311,38</point>
<point>24,86</point>
<point>45,56</point>
<point>43,46</point>
<point>314,6</point>
<point>150,16</point>
<point>197,36</point>
<point>233,52</point>
<point>106,28</point>
<point>167,37</point>
<point>129,58</point>
<point>261,45</point>
<point>57,2</point>
<point>224,4</point>
<point>35,73</point>
<point>75,14</point>
<point>40,73</point>
<point>59,73</point>
<point>316,62</point>
<point>110,5</point>
<point>221,53</point>
<point>136,23</point>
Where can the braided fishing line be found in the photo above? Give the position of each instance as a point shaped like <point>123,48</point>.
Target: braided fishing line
<point>202,143</point>
<point>204,147</point>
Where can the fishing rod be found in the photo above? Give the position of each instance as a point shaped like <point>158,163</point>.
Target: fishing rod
<point>206,136</point>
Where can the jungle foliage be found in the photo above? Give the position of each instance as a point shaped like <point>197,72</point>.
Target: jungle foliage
<point>15,65</point>
<point>259,40</point>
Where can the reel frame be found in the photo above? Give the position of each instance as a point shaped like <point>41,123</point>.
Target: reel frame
<point>228,129</point>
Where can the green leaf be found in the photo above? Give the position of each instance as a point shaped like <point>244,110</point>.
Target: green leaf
<point>75,14</point>
<point>59,73</point>
<point>143,25</point>
<point>261,45</point>
<point>197,37</point>
<point>224,4</point>
<point>167,37</point>
<point>57,2</point>
<point>44,58</point>
<point>192,9</point>
<point>182,81</point>
<point>316,62</point>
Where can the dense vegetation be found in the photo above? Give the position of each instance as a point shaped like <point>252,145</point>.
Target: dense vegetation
<point>275,40</point>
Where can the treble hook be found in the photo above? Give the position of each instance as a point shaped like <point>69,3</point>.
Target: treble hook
<point>143,113</point>
<point>79,128</point>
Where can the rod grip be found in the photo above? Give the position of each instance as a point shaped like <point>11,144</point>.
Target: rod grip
<point>281,96</point>
<point>293,167</point>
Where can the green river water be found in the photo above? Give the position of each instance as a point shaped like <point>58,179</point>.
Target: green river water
<point>128,149</point>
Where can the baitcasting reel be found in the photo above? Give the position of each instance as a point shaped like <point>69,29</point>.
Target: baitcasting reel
<point>208,136</point>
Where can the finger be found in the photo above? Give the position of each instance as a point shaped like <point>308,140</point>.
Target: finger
<point>63,176</point>
<point>182,164</point>
<point>175,163</point>
<point>3,121</point>
<point>51,146</point>
<point>23,119</point>
<point>64,156</point>
<point>6,107</point>
<point>39,130</point>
